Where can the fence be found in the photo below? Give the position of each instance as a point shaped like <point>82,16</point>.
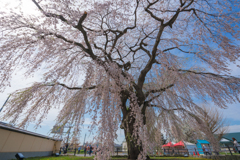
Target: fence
<point>231,150</point>
<point>194,151</point>
<point>120,152</point>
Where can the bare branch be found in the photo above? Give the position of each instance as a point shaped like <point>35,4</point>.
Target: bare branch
<point>50,14</point>
<point>158,90</point>
<point>152,15</point>
<point>147,68</point>
<point>70,88</point>
<point>208,73</point>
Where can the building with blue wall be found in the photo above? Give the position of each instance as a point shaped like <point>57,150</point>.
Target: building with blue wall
<point>200,144</point>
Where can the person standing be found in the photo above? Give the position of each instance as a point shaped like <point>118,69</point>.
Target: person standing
<point>90,150</point>
<point>85,151</point>
<point>64,150</point>
<point>60,151</point>
<point>205,150</point>
<point>236,145</point>
<point>66,147</point>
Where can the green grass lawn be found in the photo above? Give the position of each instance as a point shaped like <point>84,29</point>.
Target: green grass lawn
<point>223,153</point>
<point>81,152</point>
<point>178,158</point>
<point>60,158</point>
<point>91,158</point>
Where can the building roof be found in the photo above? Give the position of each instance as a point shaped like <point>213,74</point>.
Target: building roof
<point>202,141</point>
<point>169,144</point>
<point>188,143</point>
<point>180,143</point>
<point>10,127</point>
<point>117,145</point>
<point>229,136</point>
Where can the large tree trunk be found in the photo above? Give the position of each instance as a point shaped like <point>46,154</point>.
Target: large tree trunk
<point>134,149</point>
<point>128,121</point>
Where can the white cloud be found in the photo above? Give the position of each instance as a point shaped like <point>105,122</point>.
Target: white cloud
<point>234,128</point>
<point>232,112</point>
<point>27,7</point>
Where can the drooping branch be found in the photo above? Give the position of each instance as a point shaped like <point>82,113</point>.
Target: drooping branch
<point>195,13</point>
<point>172,48</point>
<point>70,88</point>
<point>208,73</point>
<point>158,90</point>
<point>67,40</point>
<point>50,14</point>
<point>78,26</point>
<point>179,109</point>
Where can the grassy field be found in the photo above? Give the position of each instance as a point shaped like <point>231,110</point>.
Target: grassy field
<point>120,157</point>
<point>60,158</point>
<point>223,153</point>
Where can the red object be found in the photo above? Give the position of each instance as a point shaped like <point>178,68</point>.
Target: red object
<point>194,153</point>
<point>180,143</point>
<point>197,153</point>
<point>169,144</point>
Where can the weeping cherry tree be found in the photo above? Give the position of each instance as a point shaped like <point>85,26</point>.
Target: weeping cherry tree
<point>115,59</point>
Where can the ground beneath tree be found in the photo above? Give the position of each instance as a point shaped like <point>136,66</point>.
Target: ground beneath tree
<point>78,157</point>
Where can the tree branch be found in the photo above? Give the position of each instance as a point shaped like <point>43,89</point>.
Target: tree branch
<point>152,15</point>
<point>177,109</point>
<point>50,14</point>
<point>207,73</point>
<point>147,68</point>
<point>158,90</point>
<point>70,88</point>
<point>78,26</point>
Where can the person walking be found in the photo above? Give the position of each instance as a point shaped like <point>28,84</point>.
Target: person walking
<point>85,151</point>
<point>79,148</point>
<point>236,145</point>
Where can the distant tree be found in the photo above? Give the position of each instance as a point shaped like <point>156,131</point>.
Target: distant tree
<point>214,121</point>
<point>98,57</point>
<point>190,134</point>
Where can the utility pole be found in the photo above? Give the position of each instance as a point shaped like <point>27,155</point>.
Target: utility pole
<point>5,102</point>
<point>84,140</point>
<point>68,133</point>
